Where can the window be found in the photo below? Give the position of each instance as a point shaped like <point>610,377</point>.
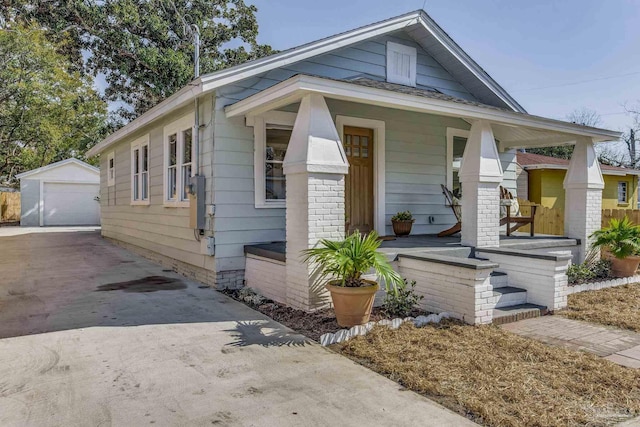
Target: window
<point>456,143</point>
<point>272,133</point>
<point>622,192</point>
<point>178,161</point>
<point>111,169</point>
<point>140,171</point>
<point>401,64</point>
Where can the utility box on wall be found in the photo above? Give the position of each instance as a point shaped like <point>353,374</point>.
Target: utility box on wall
<point>196,207</point>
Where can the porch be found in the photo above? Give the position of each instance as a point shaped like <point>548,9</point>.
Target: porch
<point>458,274</point>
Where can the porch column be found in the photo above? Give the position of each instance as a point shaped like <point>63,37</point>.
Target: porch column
<point>481,175</point>
<point>583,186</point>
<point>315,167</point>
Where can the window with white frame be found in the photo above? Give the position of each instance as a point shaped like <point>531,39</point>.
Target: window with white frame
<point>272,133</point>
<point>178,161</point>
<point>401,64</point>
<point>623,192</point>
<point>111,169</point>
<point>140,171</point>
<point>456,143</point>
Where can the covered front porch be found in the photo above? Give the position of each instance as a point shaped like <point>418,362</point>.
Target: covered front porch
<point>319,170</point>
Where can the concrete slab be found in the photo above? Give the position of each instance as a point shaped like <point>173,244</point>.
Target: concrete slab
<point>84,342</point>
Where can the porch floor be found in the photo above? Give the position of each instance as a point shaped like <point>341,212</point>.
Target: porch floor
<point>429,243</point>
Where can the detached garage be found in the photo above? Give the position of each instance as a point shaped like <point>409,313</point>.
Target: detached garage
<point>62,193</point>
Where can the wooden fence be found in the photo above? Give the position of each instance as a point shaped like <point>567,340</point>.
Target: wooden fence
<point>547,221</point>
<point>9,207</point>
<point>632,214</point>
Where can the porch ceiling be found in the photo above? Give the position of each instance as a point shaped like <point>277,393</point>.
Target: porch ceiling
<point>511,129</point>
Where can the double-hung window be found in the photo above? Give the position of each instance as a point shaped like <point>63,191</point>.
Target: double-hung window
<point>272,132</point>
<point>623,195</point>
<point>178,161</point>
<point>140,171</point>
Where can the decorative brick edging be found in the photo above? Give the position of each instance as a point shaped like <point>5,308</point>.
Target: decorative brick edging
<point>346,334</point>
<point>603,285</point>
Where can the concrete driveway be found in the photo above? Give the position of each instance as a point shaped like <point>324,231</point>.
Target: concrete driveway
<point>83,341</point>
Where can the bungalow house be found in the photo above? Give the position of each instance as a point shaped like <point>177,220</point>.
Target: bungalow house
<point>543,177</point>
<point>228,179</point>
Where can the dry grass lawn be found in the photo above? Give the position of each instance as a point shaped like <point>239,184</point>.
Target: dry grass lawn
<point>619,307</point>
<point>500,379</point>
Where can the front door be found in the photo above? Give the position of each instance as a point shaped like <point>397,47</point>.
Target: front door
<point>358,145</point>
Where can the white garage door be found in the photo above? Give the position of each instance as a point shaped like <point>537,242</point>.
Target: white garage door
<point>71,204</point>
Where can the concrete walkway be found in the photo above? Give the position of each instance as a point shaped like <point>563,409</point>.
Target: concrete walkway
<point>91,334</point>
<point>616,345</point>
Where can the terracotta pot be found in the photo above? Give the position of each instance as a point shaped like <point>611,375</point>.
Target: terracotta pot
<point>353,305</point>
<point>402,228</point>
<point>624,267</point>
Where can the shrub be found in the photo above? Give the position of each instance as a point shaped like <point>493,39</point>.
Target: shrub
<point>401,303</point>
<point>589,271</point>
<point>402,216</point>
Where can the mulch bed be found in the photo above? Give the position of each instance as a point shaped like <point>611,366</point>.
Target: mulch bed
<point>618,306</point>
<point>312,325</point>
<point>500,379</point>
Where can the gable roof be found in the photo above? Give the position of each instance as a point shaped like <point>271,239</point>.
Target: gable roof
<point>58,165</point>
<point>417,24</point>
<point>531,161</point>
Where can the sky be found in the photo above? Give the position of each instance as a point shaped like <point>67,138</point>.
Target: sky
<point>552,56</point>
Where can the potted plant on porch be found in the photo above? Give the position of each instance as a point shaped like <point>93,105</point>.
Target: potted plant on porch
<point>341,264</point>
<point>621,244</point>
<point>402,223</point>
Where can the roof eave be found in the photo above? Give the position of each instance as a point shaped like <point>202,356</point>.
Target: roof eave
<point>57,165</point>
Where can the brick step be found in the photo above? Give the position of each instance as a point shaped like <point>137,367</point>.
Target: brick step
<point>507,296</point>
<point>498,279</point>
<point>517,312</point>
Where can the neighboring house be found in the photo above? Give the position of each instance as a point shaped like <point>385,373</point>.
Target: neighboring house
<point>348,129</point>
<point>544,177</point>
<point>62,193</point>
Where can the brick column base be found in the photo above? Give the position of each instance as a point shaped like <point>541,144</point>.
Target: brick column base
<point>480,214</point>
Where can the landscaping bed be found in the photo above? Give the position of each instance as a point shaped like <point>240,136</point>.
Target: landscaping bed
<point>312,325</point>
<point>618,306</point>
<point>497,378</point>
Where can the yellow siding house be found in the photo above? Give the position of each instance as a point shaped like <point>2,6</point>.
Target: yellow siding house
<point>543,176</point>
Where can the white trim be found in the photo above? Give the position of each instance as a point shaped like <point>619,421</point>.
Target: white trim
<point>259,123</point>
<point>178,126</point>
<point>566,167</point>
<point>57,165</point>
<point>412,52</point>
<point>250,69</point>
<point>452,133</point>
<point>58,181</point>
<point>111,180</point>
<point>293,89</point>
<point>379,176</point>
<point>139,144</point>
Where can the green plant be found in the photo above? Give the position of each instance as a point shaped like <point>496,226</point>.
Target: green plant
<point>402,302</point>
<point>621,238</point>
<point>589,271</point>
<point>402,216</point>
<point>345,261</point>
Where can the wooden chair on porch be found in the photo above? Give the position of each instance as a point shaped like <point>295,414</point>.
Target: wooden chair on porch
<point>515,221</point>
<point>507,201</point>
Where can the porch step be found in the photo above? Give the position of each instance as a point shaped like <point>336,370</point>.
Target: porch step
<point>517,312</point>
<point>507,296</point>
<point>498,279</point>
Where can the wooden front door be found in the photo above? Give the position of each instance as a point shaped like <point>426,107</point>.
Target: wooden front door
<point>358,145</point>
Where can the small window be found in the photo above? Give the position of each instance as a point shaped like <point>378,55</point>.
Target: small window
<point>111,169</point>
<point>140,171</point>
<point>401,64</point>
<point>178,161</point>
<point>622,192</point>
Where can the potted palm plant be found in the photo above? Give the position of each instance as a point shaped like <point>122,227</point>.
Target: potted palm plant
<point>621,244</point>
<point>402,223</point>
<point>341,264</point>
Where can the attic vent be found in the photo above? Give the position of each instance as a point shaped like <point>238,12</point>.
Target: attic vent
<point>401,64</point>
